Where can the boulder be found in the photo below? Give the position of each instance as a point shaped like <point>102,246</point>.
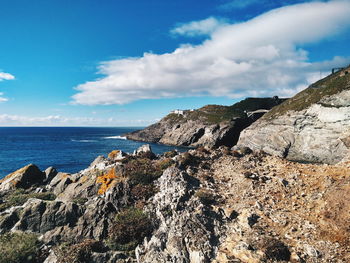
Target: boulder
<point>116,155</point>
<point>145,151</point>
<point>50,173</point>
<point>25,177</point>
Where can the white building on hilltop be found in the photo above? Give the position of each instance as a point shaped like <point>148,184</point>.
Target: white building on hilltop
<point>179,112</point>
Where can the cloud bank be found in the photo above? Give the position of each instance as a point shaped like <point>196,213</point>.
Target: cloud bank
<point>57,120</point>
<point>259,57</point>
<point>5,76</point>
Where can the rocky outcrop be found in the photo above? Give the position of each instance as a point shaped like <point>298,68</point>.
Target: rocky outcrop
<point>23,178</point>
<point>211,126</point>
<point>313,126</point>
<point>204,205</point>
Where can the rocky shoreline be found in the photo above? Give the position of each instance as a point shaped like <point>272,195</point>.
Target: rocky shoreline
<point>204,205</point>
<point>246,203</point>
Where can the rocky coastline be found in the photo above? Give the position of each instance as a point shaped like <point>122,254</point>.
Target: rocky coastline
<point>210,126</point>
<point>204,205</point>
<point>249,203</point>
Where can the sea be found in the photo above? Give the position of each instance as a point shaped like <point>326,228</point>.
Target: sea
<point>68,149</point>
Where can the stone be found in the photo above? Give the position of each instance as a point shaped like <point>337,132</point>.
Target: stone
<point>50,173</point>
<point>25,177</point>
<point>318,132</point>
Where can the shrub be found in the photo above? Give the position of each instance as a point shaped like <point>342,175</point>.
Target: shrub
<point>19,197</point>
<point>78,253</point>
<point>188,159</point>
<point>19,248</point>
<point>143,192</point>
<point>141,171</point>
<point>165,163</point>
<point>170,154</point>
<point>130,227</point>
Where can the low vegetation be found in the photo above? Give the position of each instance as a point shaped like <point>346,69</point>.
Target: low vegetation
<point>141,171</point>
<point>78,253</point>
<point>20,196</point>
<point>313,94</point>
<point>19,248</point>
<point>130,227</point>
<point>214,114</point>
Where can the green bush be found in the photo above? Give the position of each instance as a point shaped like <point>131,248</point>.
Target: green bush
<point>141,171</point>
<point>165,163</point>
<point>19,248</point>
<point>19,197</point>
<point>130,227</point>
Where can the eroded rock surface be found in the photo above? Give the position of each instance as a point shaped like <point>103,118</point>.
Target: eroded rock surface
<point>314,126</point>
<point>203,206</point>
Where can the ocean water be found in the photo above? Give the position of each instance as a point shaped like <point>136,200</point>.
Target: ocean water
<point>68,149</point>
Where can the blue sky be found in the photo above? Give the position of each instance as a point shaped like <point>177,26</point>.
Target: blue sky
<point>128,63</point>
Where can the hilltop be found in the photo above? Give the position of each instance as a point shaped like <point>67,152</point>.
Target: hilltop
<point>211,125</point>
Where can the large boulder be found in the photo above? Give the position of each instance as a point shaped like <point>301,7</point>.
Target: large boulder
<point>313,126</point>
<point>25,177</point>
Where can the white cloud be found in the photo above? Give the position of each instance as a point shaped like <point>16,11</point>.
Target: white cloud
<point>57,120</point>
<point>2,99</point>
<point>6,76</point>
<point>259,57</point>
<point>240,4</point>
<point>198,28</point>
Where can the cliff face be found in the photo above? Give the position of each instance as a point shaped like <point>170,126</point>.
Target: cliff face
<point>201,206</point>
<point>313,126</point>
<point>212,125</point>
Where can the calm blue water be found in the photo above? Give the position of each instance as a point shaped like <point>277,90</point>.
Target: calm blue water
<point>68,149</point>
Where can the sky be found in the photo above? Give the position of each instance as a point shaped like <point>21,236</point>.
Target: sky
<point>129,63</point>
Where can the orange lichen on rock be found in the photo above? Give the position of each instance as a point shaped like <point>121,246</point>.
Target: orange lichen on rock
<point>106,181</point>
<point>113,154</point>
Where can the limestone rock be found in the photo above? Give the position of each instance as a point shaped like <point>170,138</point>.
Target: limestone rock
<point>313,126</point>
<point>23,178</point>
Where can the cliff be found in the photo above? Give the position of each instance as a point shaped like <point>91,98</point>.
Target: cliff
<point>197,207</point>
<point>211,125</point>
<point>313,126</point>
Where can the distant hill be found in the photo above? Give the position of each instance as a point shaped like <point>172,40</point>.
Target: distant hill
<point>211,125</point>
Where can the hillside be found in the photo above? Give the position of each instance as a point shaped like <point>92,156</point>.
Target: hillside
<point>313,126</point>
<point>211,125</point>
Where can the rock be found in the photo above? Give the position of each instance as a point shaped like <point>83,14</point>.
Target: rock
<point>313,126</point>
<point>41,216</point>
<point>50,173</point>
<point>211,125</point>
<point>116,155</point>
<point>145,151</point>
<point>187,231</point>
<point>23,178</point>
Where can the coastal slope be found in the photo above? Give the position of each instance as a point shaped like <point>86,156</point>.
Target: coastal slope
<point>211,125</point>
<point>205,205</point>
<point>313,126</point>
